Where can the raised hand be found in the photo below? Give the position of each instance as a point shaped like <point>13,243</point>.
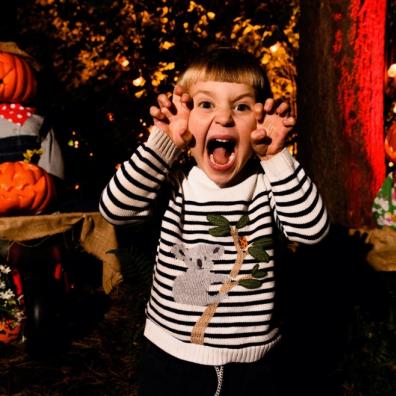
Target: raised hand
<point>273,125</point>
<point>172,116</point>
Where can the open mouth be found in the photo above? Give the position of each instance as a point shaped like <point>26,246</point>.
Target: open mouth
<point>221,151</point>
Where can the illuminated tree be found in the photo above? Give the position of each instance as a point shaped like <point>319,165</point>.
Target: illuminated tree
<point>110,59</point>
<point>341,103</point>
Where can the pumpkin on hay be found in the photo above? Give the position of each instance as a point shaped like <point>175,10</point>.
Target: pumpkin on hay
<point>17,81</point>
<point>25,188</point>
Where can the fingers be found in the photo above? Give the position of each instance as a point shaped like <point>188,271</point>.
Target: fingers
<point>289,122</point>
<point>259,112</point>
<point>164,101</point>
<point>260,136</point>
<point>269,105</point>
<point>275,107</point>
<point>157,114</point>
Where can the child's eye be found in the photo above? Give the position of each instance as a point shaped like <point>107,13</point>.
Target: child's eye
<point>205,104</point>
<point>241,107</point>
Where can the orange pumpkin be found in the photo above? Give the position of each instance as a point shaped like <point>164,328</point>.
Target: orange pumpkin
<point>390,142</point>
<point>25,188</point>
<point>9,331</point>
<point>17,81</point>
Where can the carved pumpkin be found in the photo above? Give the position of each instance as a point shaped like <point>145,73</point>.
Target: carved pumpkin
<point>17,81</point>
<point>390,142</point>
<point>25,188</point>
<point>9,331</point>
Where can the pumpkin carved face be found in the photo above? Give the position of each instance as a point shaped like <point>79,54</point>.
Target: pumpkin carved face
<point>9,331</point>
<point>17,81</point>
<point>25,188</point>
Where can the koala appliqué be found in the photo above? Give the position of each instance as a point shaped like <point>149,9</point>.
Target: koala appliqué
<point>192,287</point>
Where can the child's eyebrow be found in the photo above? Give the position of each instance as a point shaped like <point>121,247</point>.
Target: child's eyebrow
<point>210,93</point>
<point>204,92</point>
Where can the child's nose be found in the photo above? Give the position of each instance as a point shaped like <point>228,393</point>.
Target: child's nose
<point>224,116</point>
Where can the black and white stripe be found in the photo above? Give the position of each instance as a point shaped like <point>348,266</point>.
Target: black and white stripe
<point>241,328</point>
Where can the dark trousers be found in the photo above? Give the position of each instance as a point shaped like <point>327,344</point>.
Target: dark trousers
<point>164,375</point>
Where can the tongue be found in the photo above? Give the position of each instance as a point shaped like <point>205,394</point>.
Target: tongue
<point>221,155</point>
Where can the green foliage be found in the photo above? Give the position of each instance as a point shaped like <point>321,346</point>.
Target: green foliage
<point>243,221</point>
<point>218,220</point>
<point>257,278</point>
<point>258,273</point>
<point>223,226</point>
<point>258,249</point>
<point>250,283</point>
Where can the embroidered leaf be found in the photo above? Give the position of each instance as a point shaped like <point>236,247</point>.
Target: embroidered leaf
<point>220,231</point>
<point>218,220</point>
<point>258,253</point>
<point>258,273</point>
<point>242,222</point>
<point>265,243</point>
<point>250,283</point>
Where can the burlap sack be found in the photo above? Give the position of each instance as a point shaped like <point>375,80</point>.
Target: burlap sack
<point>382,256</point>
<point>97,236</point>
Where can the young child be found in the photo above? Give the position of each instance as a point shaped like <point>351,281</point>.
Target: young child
<point>210,321</point>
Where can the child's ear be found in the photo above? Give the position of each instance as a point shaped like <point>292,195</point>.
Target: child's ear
<point>178,251</point>
<point>216,251</point>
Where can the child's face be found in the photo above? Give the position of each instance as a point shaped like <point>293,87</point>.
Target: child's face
<point>221,122</point>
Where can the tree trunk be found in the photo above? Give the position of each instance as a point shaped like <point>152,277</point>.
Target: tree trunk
<point>341,103</point>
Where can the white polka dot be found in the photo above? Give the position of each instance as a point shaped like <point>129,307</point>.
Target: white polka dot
<point>12,105</point>
<point>19,115</point>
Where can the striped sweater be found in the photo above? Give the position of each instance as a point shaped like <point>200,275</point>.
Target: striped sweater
<point>213,292</point>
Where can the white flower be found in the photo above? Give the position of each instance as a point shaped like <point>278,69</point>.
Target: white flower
<point>7,294</point>
<point>5,269</point>
<point>2,284</point>
<point>382,203</point>
<point>380,221</point>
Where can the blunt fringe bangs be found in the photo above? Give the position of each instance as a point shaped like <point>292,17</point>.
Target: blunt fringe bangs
<point>227,64</point>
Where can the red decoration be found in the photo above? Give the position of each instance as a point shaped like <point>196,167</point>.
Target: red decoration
<point>16,113</point>
<point>25,188</point>
<point>17,81</point>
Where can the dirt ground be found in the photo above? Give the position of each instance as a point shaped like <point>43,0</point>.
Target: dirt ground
<point>100,358</point>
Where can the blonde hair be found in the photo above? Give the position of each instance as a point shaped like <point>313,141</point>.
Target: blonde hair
<point>227,64</point>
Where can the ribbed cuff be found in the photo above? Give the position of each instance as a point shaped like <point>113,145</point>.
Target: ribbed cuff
<point>162,144</point>
<point>280,165</point>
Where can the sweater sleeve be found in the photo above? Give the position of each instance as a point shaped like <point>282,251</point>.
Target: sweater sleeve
<point>297,205</point>
<point>129,196</point>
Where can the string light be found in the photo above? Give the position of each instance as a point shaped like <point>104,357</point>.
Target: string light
<point>392,71</point>
<point>274,48</point>
<point>139,82</point>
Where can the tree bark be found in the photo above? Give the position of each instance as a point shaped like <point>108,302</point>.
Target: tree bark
<point>341,103</point>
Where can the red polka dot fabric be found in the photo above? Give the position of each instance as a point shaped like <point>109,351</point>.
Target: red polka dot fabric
<point>16,113</point>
